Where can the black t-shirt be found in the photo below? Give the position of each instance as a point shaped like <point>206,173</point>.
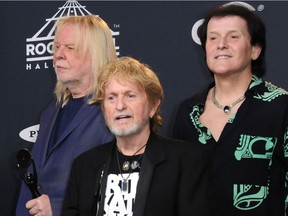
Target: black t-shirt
<point>121,184</point>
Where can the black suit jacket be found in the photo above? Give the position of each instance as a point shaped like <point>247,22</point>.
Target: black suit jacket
<point>174,180</point>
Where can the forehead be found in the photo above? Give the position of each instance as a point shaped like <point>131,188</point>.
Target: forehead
<point>66,32</point>
<point>231,23</point>
<point>117,83</point>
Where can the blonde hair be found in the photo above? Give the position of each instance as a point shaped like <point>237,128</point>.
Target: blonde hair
<point>93,37</point>
<point>130,69</point>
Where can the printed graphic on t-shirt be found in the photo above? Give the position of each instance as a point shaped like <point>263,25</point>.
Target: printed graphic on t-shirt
<point>118,202</point>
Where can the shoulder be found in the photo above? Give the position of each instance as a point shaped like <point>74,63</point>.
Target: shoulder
<point>271,95</point>
<point>188,102</point>
<point>52,105</point>
<point>197,99</point>
<point>266,91</point>
<point>50,110</point>
<point>98,153</point>
<point>181,147</point>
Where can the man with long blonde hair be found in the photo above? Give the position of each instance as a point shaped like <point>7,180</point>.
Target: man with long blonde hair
<point>72,123</point>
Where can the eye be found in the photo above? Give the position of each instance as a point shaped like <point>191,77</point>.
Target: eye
<point>234,36</point>
<point>70,47</point>
<point>56,46</point>
<point>212,38</point>
<point>110,98</point>
<point>131,95</point>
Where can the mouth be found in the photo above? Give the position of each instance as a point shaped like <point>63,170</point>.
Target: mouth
<point>60,65</point>
<point>222,57</point>
<point>120,117</point>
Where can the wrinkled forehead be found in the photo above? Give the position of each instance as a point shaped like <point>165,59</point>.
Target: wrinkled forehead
<point>123,81</point>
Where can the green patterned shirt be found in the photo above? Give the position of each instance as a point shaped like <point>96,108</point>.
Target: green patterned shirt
<point>250,159</point>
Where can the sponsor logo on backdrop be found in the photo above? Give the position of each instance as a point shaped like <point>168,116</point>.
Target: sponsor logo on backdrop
<point>39,48</point>
<point>30,133</point>
<point>194,31</point>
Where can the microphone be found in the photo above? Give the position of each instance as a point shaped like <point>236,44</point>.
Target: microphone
<point>24,160</point>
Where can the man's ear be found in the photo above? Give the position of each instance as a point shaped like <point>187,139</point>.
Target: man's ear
<point>256,51</point>
<point>154,108</point>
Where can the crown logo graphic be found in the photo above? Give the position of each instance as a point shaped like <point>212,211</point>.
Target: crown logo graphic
<point>39,47</point>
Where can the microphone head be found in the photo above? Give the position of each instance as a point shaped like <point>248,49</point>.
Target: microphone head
<point>24,158</point>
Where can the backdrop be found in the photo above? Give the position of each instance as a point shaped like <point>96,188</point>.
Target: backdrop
<point>162,34</point>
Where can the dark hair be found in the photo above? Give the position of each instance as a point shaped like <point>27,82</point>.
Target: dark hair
<point>255,27</point>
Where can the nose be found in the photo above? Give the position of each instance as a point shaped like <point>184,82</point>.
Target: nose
<point>222,43</point>
<point>120,103</point>
<point>59,53</point>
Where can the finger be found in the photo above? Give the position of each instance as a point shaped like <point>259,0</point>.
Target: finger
<point>30,204</point>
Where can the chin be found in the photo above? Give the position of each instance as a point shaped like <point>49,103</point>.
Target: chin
<point>122,132</point>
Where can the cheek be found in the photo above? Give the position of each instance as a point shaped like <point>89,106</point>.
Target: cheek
<point>209,53</point>
<point>108,109</point>
<point>85,70</point>
<point>209,46</point>
<point>108,117</point>
<point>145,112</point>
<point>209,59</point>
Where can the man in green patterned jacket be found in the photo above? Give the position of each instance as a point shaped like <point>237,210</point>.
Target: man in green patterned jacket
<point>240,118</point>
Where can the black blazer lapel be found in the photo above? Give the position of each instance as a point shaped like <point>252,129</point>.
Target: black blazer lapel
<point>154,154</point>
<point>102,180</point>
<point>143,186</point>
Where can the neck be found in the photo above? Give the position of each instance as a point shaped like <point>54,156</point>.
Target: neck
<point>136,152</point>
<point>226,108</point>
<point>79,92</point>
<point>130,145</point>
<point>78,88</point>
<point>228,90</point>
